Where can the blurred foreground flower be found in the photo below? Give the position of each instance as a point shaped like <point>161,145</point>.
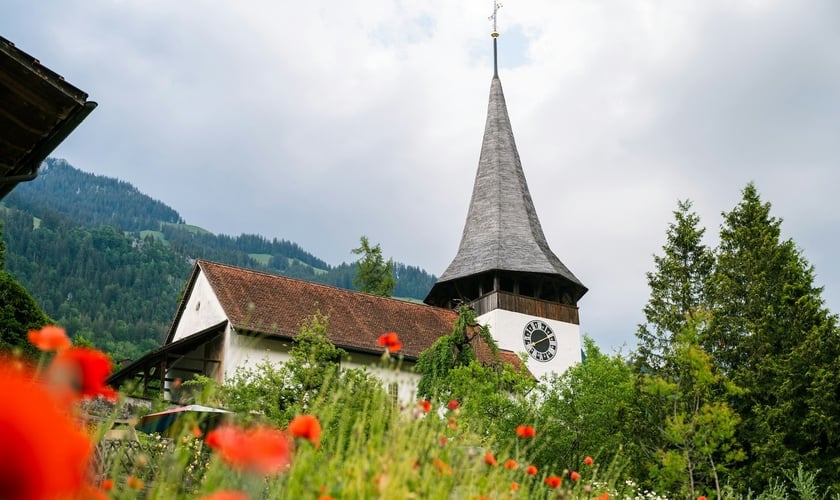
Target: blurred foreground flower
<point>525,431</point>
<point>554,481</point>
<point>226,495</point>
<point>391,341</point>
<point>43,453</point>
<point>82,372</point>
<point>49,338</point>
<point>307,427</point>
<point>262,450</point>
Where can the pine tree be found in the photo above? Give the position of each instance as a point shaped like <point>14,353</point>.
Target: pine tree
<point>773,336</point>
<point>677,288</point>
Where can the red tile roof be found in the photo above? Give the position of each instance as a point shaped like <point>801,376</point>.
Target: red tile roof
<point>276,305</point>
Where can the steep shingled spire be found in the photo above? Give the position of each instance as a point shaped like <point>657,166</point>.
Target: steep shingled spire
<point>502,231</point>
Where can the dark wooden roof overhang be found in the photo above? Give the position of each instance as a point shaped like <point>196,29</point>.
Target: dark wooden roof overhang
<point>153,366</point>
<point>38,110</point>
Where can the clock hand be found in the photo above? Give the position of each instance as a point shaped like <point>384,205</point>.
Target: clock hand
<point>541,340</point>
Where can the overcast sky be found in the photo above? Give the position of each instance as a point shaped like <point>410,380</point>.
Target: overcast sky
<point>321,121</point>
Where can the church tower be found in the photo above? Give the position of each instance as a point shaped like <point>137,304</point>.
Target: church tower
<point>504,267</point>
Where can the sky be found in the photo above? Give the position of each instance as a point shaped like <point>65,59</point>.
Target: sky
<point>320,121</point>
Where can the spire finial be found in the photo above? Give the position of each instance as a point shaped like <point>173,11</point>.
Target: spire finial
<point>496,7</point>
<point>495,35</point>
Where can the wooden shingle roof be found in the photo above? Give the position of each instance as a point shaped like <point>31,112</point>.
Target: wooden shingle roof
<point>502,231</point>
<point>276,305</point>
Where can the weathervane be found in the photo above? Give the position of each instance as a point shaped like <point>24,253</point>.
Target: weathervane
<point>495,35</point>
<point>496,7</point>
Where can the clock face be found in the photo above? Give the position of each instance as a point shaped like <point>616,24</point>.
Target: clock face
<point>539,340</point>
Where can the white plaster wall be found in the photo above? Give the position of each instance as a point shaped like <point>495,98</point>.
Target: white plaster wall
<point>506,328</point>
<point>243,350</point>
<point>201,311</point>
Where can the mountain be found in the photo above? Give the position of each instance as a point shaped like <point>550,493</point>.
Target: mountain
<point>108,262</point>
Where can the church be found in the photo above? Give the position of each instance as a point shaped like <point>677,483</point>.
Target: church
<point>504,269</point>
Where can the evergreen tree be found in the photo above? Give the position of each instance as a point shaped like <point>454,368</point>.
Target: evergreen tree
<point>18,311</point>
<point>677,288</point>
<point>374,274</point>
<point>772,334</point>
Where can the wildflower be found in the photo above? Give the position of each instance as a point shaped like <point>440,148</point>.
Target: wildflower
<point>452,423</point>
<point>443,440</point>
<point>307,427</point>
<point>197,432</point>
<point>604,496</point>
<point>574,476</point>
<point>81,371</point>
<point>325,497</point>
<point>554,481</point>
<point>489,459</point>
<point>588,461</point>
<point>510,463</point>
<point>453,405</point>
<point>531,470</point>
<point>701,497</point>
<point>34,463</point>
<point>525,431</point>
<point>107,484</point>
<point>391,341</point>
<point>135,483</point>
<point>49,338</point>
<point>441,466</point>
<point>263,450</point>
<point>514,486</point>
<point>226,495</point>
<point>425,405</point>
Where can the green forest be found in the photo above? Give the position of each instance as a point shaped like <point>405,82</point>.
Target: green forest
<point>108,262</point>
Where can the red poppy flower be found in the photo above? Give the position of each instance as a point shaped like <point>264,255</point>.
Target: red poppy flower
<point>226,495</point>
<point>443,440</point>
<point>43,453</point>
<point>531,470</point>
<point>588,461</point>
<point>135,483</point>
<point>107,484</point>
<point>604,496</point>
<point>391,341</point>
<point>554,481</point>
<point>441,466</point>
<point>701,497</point>
<point>574,476</point>
<point>82,371</point>
<point>511,464</point>
<point>489,459</point>
<point>425,405</point>
<point>525,431</point>
<point>307,427</point>
<point>262,450</point>
<point>453,405</point>
<point>514,486</point>
<point>49,338</point>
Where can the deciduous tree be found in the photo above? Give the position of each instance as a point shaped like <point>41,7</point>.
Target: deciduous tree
<point>374,274</point>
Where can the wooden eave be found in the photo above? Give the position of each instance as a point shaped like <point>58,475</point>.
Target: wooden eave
<point>38,110</point>
<point>156,363</point>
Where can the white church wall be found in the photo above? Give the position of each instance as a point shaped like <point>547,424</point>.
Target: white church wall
<point>507,327</point>
<point>201,311</point>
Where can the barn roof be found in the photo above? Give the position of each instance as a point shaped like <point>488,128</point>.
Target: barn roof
<point>274,305</point>
<point>38,110</point>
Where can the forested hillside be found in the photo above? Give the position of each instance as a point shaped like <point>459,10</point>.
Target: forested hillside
<point>108,262</point>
